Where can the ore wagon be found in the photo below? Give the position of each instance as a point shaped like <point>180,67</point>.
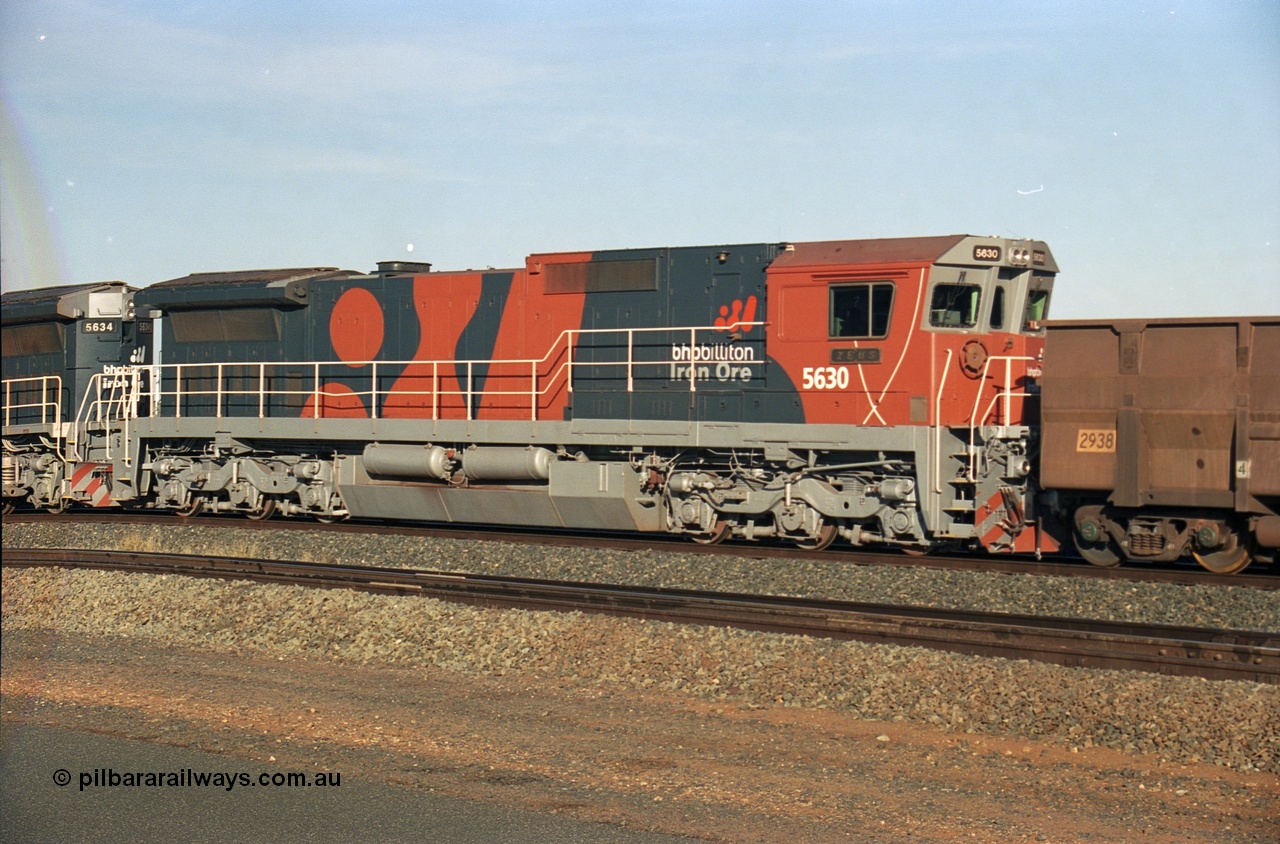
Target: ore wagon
<point>1162,437</point>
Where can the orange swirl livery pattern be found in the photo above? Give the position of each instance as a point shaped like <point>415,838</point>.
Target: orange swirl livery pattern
<point>443,304</point>
<point>472,330</point>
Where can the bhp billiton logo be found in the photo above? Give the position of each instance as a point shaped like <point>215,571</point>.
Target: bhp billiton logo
<point>737,316</point>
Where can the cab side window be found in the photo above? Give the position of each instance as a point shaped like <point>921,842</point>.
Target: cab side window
<point>997,309</point>
<point>955,305</point>
<point>1037,309</point>
<point>860,311</point>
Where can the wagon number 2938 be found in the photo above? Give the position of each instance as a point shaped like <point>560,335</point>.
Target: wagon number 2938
<point>1096,441</point>
<point>825,378</point>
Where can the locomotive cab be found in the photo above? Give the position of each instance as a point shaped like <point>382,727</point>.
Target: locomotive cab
<point>72,358</point>
<point>931,354</point>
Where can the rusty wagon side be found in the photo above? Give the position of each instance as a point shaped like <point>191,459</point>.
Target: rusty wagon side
<point>1162,437</point>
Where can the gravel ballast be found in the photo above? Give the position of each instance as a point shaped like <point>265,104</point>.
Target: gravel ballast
<point>1223,606</point>
<point>1227,723</point>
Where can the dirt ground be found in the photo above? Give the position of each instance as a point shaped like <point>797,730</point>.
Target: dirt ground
<point>649,760</point>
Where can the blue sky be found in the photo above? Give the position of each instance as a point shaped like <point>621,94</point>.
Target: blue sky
<point>146,140</point>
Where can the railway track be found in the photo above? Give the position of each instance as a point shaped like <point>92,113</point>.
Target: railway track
<point>1258,577</point>
<point>1185,651</point>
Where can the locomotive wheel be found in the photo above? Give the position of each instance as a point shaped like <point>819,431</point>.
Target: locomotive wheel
<point>1232,557</point>
<point>1102,553</point>
<point>826,535</point>
<point>718,534</point>
<point>59,507</point>
<point>191,508</point>
<point>264,511</point>
<point>9,506</point>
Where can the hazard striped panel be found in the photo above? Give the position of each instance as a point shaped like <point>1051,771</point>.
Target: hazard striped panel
<point>1003,528</point>
<point>88,484</point>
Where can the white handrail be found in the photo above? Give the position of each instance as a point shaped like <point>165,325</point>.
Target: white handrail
<point>1005,395</point>
<point>937,429</point>
<point>41,384</point>
<point>540,385</point>
<point>110,397</point>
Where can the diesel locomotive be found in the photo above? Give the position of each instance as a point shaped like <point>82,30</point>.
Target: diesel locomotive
<point>883,392</point>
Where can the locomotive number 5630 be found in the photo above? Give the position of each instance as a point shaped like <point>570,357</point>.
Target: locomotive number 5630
<point>825,378</point>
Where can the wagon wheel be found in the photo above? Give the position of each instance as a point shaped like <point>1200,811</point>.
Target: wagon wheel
<point>1233,556</point>
<point>1101,553</point>
<point>191,508</point>
<point>718,534</point>
<point>826,535</point>
<point>264,510</point>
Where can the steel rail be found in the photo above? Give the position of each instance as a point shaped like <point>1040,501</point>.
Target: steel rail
<point>1213,654</point>
<point>1255,577</point>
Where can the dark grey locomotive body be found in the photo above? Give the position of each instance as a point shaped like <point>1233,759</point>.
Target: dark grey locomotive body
<point>70,363</point>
